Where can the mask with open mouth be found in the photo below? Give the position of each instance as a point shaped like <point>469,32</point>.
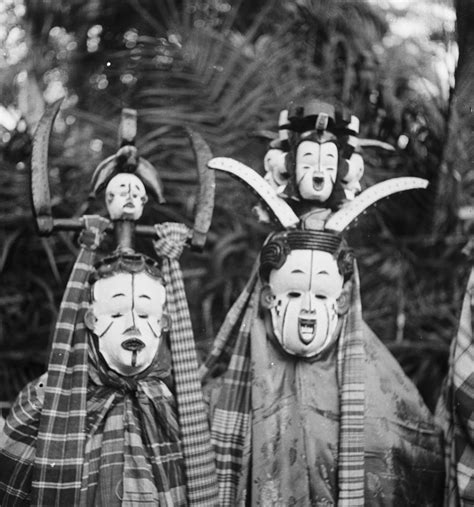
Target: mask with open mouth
<point>302,299</point>
<point>316,169</point>
<point>303,324</point>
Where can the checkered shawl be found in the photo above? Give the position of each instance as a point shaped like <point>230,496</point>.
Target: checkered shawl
<point>54,438</point>
<point>132,452</point>
<point>231,412</point>
<point>201,478</point>
<point>456,409</point>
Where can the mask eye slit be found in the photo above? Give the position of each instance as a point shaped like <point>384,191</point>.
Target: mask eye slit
<point>116,315</point>
<point>143,316</point>
<point>294,294</point>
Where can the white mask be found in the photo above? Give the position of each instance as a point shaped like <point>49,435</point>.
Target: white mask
<point>275,168</point>
<point>127,317</point>
<point>304,305</point>
<point>351,182</point>
<point>125,197</point>
<point>316,170</point>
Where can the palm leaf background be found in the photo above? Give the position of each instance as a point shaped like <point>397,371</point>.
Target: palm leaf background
<point>226,70</point>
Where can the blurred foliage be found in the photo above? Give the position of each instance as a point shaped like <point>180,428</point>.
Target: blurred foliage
<point>226,69</point>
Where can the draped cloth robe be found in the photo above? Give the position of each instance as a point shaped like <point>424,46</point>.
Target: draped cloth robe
<point>345,428</point>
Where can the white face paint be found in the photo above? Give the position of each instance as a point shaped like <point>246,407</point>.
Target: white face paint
<point>316,170</point>
<point>304,315</point>
<point>125,197</point>
<point>275,168</point>
<point>127,319</point>
<point>351,182</point>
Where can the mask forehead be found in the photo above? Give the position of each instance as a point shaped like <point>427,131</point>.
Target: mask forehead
<point>149,293</point>
<point>309,270</point>
<point>112,293</point>
<point>313,151</point>
<point>124,181</point>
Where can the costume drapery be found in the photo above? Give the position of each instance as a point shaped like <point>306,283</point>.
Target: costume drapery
<point>83,435</point>
<point>456,409</point>
<point>346,428</point>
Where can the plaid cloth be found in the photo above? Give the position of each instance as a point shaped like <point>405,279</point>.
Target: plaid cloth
<point>381,444</point>
<point>456,409</point>
<point>132,453</point>
<point>201,479</point>
<point>351,372</point>
<point>231,411</point>
<point>58,447</point>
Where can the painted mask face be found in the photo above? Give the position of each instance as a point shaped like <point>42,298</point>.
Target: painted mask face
<point>127,317</point>
<point>275,168</point>
<point>303,312</point>
<point>125,197</point>
<point>351,182</point>
<point>316,170</point>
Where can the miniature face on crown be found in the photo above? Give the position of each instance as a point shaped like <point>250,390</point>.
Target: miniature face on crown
<point>316,169</point>
<point>351,182</point>
<point>126,316</point>
<point>125,197</point>
<point>275,168</point>
<point>302,299</point>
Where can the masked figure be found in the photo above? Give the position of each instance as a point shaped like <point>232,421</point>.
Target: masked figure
<point>109,423</point>
<point>307,406</point>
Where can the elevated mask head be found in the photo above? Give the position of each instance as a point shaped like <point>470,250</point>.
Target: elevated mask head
<point>125,197</point>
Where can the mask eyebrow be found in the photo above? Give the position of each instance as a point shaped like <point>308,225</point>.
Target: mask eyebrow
<point>323,272</point>
<point>144,296</point>
<point>118,295</point>
<point>297,271</point>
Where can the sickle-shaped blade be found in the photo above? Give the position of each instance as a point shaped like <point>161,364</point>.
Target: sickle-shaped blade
<point>278,207</point>
<point>206,193</point>
<point>343,217</point>
<point>40,194</point>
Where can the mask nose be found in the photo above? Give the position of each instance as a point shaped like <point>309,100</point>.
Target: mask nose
<point>129,322</point>
<point>307,305</point>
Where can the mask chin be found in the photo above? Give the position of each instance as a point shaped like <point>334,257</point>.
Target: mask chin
<point>305,333</point>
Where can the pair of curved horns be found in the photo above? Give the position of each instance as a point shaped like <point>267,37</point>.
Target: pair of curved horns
<point>41,195</point>
<point>287,218</point>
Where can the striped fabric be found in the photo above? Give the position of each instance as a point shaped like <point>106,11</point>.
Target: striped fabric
<point>133,452</point>
<point>351,371</point>
<point>456,409</point>
<point>231,414</point>
<point>57,472</point>
<point>54,438</point>
<point>201,479</point>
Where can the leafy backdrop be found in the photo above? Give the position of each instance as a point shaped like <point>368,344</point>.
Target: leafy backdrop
<point>226,69</point>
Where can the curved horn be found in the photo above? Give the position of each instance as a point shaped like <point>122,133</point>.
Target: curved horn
<point>207,190</point>
<point>343,217</point>
<point>278,207</point>
<point>40,193</point>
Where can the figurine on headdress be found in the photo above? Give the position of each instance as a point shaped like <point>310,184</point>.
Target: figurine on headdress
<point>307,406</point>
<point>118,418</point>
